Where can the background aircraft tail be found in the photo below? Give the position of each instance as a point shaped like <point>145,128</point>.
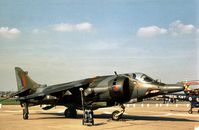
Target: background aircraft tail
<point>24,82</point>
<point>187,85</point>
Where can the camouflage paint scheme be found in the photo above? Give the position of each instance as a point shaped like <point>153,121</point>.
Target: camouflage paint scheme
<point>100,91</point>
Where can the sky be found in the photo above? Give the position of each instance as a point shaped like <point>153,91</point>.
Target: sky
<point>66,40</point>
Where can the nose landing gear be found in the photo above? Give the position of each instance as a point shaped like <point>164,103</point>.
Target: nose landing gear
<point>117,115</point>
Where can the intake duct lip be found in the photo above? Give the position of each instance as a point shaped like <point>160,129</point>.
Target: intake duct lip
<point>120,89</point>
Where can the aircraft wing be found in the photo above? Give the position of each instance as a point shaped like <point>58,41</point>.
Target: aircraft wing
<point>64,87</point>
<point>56,90</point>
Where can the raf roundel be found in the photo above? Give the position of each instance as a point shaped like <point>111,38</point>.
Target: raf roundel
<point>116,88</point>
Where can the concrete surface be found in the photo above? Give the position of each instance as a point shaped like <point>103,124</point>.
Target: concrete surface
<point>137,117</point>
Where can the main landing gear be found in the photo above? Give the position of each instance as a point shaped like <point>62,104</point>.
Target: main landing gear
<point>25,111</point>
<point>70,112</point>
<point>117,115</point>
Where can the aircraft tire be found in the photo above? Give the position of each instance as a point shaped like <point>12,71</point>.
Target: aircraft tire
<point>25,115</point>
<point>190,111</point>
<point>66,113</point>
<point>70,113</point>
<point>116,118</point>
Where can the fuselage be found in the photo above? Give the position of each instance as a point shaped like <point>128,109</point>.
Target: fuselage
<point>103,91</point>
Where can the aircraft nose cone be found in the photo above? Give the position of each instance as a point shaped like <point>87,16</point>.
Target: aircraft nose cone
<point>171,88</point>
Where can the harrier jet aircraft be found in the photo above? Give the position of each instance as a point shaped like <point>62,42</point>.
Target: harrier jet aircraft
<point>92,93</point>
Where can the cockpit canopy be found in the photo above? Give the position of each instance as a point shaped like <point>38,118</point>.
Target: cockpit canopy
<point>142,77</point>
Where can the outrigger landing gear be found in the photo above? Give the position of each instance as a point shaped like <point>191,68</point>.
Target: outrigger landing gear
<point>25,111</point>
<point>117,115</point>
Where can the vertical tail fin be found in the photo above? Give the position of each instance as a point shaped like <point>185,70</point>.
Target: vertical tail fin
<point>24,81</point>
